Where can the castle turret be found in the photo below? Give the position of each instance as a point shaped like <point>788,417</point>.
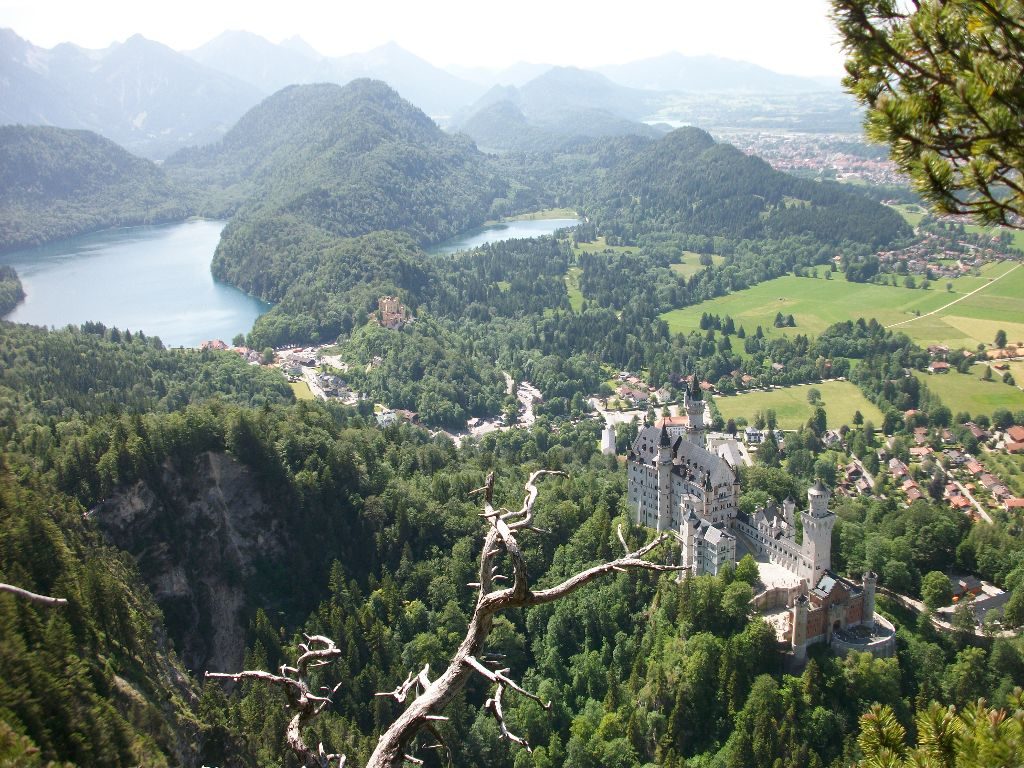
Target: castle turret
<point>664,480</point>
<point>694,404</point>
<point>798,617</point>
<point>818,522</point>
<point>608,440</point>
<point>788,511</point>
<point>869,582</point>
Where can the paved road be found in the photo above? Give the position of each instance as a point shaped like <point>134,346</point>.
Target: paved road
<point>980,509</point>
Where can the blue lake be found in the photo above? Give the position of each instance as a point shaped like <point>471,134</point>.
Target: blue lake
<point>510,230</point>
<point>155,279</point>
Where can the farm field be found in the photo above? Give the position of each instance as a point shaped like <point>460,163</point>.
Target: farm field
<point>976,319</point>
<point>690,264</point>
<point>301,390</point>
<point>816,303</point>
<point>967,392</point>
<point>913,213</point>
<point>599,246</point>
<point>572,287</point>
<point>840,399</point>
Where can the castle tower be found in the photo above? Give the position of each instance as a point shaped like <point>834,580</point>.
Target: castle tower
<point>694,404</point>
<point>818,522</point>
<point>688,544</point>
<point>664,481</point>
<point>870,579</point>
<point>798,616</point>
<point>788,511</point>
<point>608,440</point>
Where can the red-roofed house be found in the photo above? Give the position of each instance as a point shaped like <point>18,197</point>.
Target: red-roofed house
<point>1016,434</point>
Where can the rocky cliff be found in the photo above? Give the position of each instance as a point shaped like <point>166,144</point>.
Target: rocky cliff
<point>207,543</point>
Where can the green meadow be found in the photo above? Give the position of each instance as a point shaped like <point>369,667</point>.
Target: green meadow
<point>690,265</point>
<point>816,303</point>
<point>967,391</point>
<point>839,398</point>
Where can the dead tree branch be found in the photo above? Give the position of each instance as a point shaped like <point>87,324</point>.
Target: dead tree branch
<point>499,543</point>
<point>316,651</point>
<point>428,699</point>
<point>53,602</point>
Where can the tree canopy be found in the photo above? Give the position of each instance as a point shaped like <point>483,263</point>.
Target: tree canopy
<point>941,81</point>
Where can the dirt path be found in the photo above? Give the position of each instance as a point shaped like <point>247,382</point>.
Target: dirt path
<point>955,301</point>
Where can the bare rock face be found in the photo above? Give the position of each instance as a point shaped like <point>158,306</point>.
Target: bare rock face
<point>204,538</point>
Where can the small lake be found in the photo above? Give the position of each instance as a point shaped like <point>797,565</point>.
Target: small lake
<point>508,230</point>
<point>155,279</point>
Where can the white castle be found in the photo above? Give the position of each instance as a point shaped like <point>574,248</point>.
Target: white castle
<point>677,484</point>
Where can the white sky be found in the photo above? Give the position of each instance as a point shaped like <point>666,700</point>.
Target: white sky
<point>790,36</point>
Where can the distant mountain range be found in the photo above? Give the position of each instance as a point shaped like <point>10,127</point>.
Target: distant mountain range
<point>709,74</point>
<point>270,67</point>
<point>141,94</point>
<point>153,100</point>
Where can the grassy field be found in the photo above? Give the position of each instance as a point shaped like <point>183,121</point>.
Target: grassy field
<point>816,303</point>
<point>840,399</point>
<point>572,286</point>
<point>1010,469</point>
<point>547,213</point>
<point>599,246</point>
<point>301,390</point>
<point>690,264</point>
<point>976,319</point>
<point>910,212</point>
<point>967,392</point>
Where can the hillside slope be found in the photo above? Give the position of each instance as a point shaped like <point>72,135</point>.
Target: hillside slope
<point>141,94</point>
<point>316,162</point>
<point>56,183</point>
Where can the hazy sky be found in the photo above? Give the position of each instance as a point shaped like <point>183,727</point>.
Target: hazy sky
<point>791,36</point>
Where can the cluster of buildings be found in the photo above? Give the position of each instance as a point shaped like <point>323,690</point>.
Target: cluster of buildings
<point>941,255</point>
<point>676,484</point>
<point>817,154</point>
<point>391,313</point>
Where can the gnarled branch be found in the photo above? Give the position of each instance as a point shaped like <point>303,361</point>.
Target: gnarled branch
<point>317,650</point>
<point>431,697</point>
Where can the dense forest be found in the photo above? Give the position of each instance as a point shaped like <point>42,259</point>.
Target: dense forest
<point>197,518</point>
<point>55,183</point>
<point>375,535</point>
<point>11,291</point>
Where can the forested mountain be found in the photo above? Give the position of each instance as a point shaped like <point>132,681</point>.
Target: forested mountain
<point>317,162</point>
<point>686,182</point>
<point>239,528</point>
<point>561,90</point>
<point>11,291</point>
<point>270,67</point>
<point>141,94</point>
<point>502,126</point>
<point>56,183</point>
<point>259,62</point>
